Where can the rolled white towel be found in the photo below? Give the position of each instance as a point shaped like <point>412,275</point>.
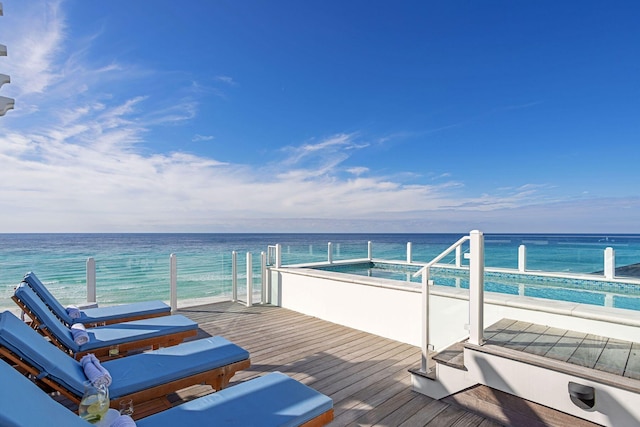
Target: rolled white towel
<point>94,371</point>
<point>79,332</point>
<point>123,421</point>
<point>73,312</point>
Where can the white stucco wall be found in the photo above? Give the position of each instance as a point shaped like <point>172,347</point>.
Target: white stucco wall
<point>384,308</point>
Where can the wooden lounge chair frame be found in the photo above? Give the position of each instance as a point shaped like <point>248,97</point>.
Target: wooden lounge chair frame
<point>321,420</point>
<point>102,353</point>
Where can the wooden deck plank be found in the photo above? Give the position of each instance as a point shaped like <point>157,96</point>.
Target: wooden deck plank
<point>527,337</point>
<point>632,369</point>
<point>468,420</point>
<point>507,334</point>
<point>545,342</point>
<point>614,357</point>
<point>589,350</point>
<point>425,414</point>
<point>352,407</point>
<point>406,399</point>
<point>448,417</point>
<point>405,411</point>
<point>363,371</point>
<point>497,327</point>
<point>450,355</point>
<point>566,345</point>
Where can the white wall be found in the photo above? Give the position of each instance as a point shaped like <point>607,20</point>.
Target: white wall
<point>384,308</point>
<point>386,312</point>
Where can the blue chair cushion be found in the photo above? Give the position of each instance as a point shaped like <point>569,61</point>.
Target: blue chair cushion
<point>93,315</point>
<point>25,405</point>
<point>271,400</point>
<point>115,312</point>
<point>168,364</point>
<point>45,316</point>
<point>119,333</point>
<point>43,293</point>
<point>18,337</point>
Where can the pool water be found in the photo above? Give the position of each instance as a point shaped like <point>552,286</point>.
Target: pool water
<point>583,291</point>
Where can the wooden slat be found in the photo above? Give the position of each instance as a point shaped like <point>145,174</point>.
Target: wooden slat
<point>545,342</point>
<point>614,357</point>
<point>497,327</point>
<point>527,337</point>
<point>425,414</point>
<point>508,333</point>
<point>633,364</point>
<point>449,417</point>
<point>564,348</point>
<point>589,350</point>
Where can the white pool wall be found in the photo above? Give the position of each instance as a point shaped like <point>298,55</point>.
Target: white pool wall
<point>386,308</point>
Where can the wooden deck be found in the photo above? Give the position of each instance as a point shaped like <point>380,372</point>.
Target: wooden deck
<point>365,375</point>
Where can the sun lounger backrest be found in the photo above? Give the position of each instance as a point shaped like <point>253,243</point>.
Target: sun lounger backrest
<point>18,337</point>
<point>45,316</point>
<point>41,290</point>
<point>25,405</point>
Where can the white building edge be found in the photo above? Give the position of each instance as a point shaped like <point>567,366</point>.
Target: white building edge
<point>6,104</point>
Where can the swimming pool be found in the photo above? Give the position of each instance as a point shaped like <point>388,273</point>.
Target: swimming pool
<point>583,291</point>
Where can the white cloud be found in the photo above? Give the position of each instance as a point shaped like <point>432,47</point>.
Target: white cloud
<point>198,137</point>
<point>226,79</point>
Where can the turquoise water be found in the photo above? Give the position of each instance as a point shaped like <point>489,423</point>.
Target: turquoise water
<point>583,291</point>
<point>135,267</point>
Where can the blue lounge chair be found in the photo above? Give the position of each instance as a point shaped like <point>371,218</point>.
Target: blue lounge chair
<point>140,377</point>
<point>98,315</point>
<point>273,400</point>
<point>136,335</point>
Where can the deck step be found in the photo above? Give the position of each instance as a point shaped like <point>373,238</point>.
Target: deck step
<point>452,356</point>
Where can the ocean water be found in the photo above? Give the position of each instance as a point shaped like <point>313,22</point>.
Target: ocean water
<point>136,267</point>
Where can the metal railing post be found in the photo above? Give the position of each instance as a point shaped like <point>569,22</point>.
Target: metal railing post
<point>278,255</point>
<point>329,253</point>
<point>234,276</point>
<point>609,263</point>
<point>369,250</point>
<point>476,288</point>
<point>263,273</point>
<point>409,252</point>
<point>425,320</point>
<point>174,282</point>
<point>91,280</point>
<point>249,280</point>
<point>458,256</point>
<point>522,258</point>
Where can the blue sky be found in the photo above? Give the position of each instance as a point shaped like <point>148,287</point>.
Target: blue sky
<point>344,116</point>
